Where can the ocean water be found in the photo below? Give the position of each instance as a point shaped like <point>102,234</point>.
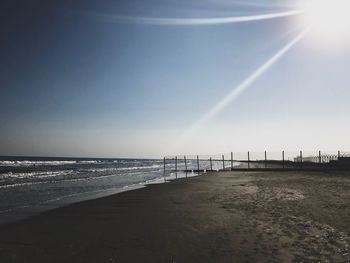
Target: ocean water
<point>31,185</point>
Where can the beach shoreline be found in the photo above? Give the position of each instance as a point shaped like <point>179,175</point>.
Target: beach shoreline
<point>216,217</point>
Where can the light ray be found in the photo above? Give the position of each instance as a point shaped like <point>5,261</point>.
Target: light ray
<point>241,88</point>
<point>190,21</point>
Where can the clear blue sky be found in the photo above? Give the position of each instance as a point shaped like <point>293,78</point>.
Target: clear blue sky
<point>73,84</point>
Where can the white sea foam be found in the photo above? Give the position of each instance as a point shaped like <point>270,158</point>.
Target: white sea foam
<point>29,183</point>
<point>34,182</point>
<point>34,163</point>
<point>54,174</point>
<point>139,167</point>
<point>35,174</point>
<point>48,163</point>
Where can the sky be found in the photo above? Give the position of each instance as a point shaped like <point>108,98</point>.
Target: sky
<point>107,79</point>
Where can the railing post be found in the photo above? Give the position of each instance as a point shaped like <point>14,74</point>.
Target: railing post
<point>319,157</point>
<point>231,161</point>
<point>248,160</point>
<point>176,167</point>
<point>164,169</point>
<point>197,164</point>
<point>211,164</point>
<point>265,160</point>
<point>223,162</point>
<point>282,159</point>
<point>185,165</point>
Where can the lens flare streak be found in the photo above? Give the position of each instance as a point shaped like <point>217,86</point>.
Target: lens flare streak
<point>190,21</point>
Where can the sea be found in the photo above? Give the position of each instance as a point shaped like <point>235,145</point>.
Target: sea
<point>31,185</point>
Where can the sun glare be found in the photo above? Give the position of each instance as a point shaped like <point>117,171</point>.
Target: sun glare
<point>330,19</point>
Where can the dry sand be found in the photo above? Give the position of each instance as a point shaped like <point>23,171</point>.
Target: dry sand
<point>219,217</point>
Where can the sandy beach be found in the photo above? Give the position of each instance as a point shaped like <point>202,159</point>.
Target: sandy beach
<point>217,217</point>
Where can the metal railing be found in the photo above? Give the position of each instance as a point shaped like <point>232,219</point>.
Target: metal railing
<point>284,160</point>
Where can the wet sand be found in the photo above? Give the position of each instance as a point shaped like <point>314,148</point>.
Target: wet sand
<point>218,217</point>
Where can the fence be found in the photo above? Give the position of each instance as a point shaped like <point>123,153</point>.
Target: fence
<point>242,161</point>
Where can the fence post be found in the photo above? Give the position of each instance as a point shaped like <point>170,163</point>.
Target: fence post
<point>282,159</point>
<point>176,167</point>
<point>223,162</point>
<point>231,161</point>
<point>301,158</point>
<point>265,160</point>
<point>211,164</point>
<point>319,157</point>
<point>338,155</point>
<point>197,164</point>
<point>248,161</point>
<point>185,165</point>
<point>164,170</point>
